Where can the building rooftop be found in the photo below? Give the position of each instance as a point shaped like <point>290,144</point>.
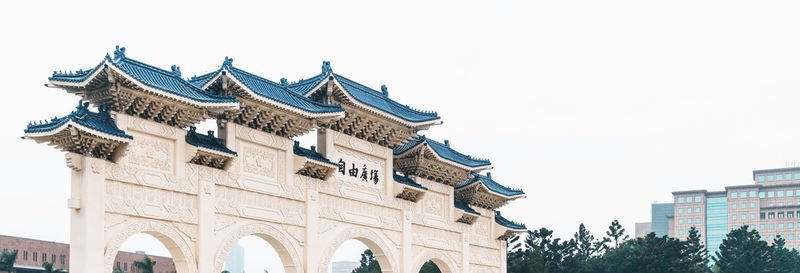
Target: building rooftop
<point>444,151</point>
<point>100,123</point>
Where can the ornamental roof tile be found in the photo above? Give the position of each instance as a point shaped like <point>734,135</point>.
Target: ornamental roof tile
<point>490,184</point>
<point>402,179</point>
<point>463,206</point>
<point>154,77</point>
<point>267,89</point>
<point>499,219</point>
<point>311,153</point>
<point>101,122</point>
<point>207,141</point>
<point>365,95</point>
<point>443,150</point>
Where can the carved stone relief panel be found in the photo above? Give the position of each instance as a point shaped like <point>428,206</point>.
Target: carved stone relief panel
<point>484,256</point>
<point>134,174</point>
<point>436,238</point>
<point>479,233</point>
<point>351,211</point>
<point>151,152</point>
<point>248,204</point>
<point>262,138</point>
<point>258,161</point>
<point>135,200</point>
<point>150,127</point>
<point>361,145</point>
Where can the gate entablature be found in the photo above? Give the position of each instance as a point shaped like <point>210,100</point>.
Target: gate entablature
<point>125,85</point>
<point>371,114</point>
<point>266,105</point>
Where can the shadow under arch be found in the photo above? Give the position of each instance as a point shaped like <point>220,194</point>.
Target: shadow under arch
<point>276,238</point>
<point>181,251</point>
<point>386,255</point>
<point>442,260</point>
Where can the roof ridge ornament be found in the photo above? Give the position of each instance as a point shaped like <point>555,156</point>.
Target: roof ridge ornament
<point>119,53</point>
<point>326,67</point>
<point>447,143</point>
<point>176,70</point>
<point>228,62</point>
<point>284,82</point>
<point>385,90</point>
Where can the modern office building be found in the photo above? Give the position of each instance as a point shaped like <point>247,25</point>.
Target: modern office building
<point>31,254</point>
<point>642,229</point>
<point>234,263</point>
<point>343,266</point>
<point>770,205</point>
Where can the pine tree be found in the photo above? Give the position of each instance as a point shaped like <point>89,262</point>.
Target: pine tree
<point>696,254</point>
<point>368,263</point>
<point>616,233</point>
<point>7,260</point>
<point>587,245</point>
<point>743,251</point>
<point>786,261</point>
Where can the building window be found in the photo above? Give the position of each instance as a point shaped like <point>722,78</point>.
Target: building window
<point>53,258</point>
<point>770,178</point>
<point>734,195</point>
<point>790,225</point>
<point>697,220</point>
<point>697,199</point>
<point>780,203</point>
<point>733,206</point>
<point>62,259</point>
<point>752,194</point>
<point>680,221</point>
<point>25,255</point>
<point>743,195</point>
<point>761,178</point>
<point>790,214</point>
<point>771,226</point>
<point>680,211</point>
<point>697,210</point>
<point>34,256</point>
<point>771,215</point>
<point>789,193</point>
<point>44,257</point>
<point>733,217</point>
<point>780,215</point>
<point>778,177</point>
<point>772,237</point>
<point>761,227</point>
<point>761,195</point>
<point>744,217</point>
<point>752,216</point>
<point>770,204</point>
<point>680,232</point>
<point>680,200</point>
<point>763,216</point>
<point>126,266</point>
<point>771,194</point>
<point>790,236</point>
<point>752,205</point>
<point>780,193</point>
<point>780,226</point>
<point>689,221</point>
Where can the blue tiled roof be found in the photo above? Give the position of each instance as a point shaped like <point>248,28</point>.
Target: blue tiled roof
<point>168,81</point>
<point>490,184</point>
<point>402,179</point>
<point>443,150</point>
<point>311,153</point>
<point>463,206</point>
<point>206,141</point>
<point>507,223</point>
<point>365,95</point>
<point>101,122</point>
<point>268,89</point>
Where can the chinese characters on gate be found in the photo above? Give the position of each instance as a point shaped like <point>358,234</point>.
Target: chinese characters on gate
<point>371,176</point>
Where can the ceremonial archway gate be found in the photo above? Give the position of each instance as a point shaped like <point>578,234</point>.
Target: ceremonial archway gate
<point>138,166</point>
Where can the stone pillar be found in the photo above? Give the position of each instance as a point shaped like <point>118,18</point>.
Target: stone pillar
<point>205,247</point>
<point>312,248</point>
<point>87,203</point>
<point>465,253</point>
<point>325,142</point>
<point>407,255</point>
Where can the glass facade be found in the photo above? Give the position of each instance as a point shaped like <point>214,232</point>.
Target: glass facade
<point>659,222</point>
<point>716,223</point>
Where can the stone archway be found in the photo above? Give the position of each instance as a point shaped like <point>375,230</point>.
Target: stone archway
<point>386,255</point>
<point>277,239</point>
<point>181,251</point>
<point>442,260</point>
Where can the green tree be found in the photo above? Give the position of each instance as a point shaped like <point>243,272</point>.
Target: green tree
<point>616,233</point>
<point>429,267</point>
<point>743,251</point>
<point>48,268</point>
<point>368,263</point>
<point>7,260</point>
<point>145,265</point>
<point>587,245</point>
<point>786,261</point>
<point>696,254</point>
<point>119,270</point>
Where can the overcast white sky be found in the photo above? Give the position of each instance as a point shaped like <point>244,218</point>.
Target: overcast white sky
<point>595,108</point>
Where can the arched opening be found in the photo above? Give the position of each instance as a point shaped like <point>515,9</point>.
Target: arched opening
<point>143,253</point>
<point>365,247</point>
<point>434,261</point>
<point>253,254</point>
<point>430,267</point>
<point>163,243</point>
<point>259,248</point>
